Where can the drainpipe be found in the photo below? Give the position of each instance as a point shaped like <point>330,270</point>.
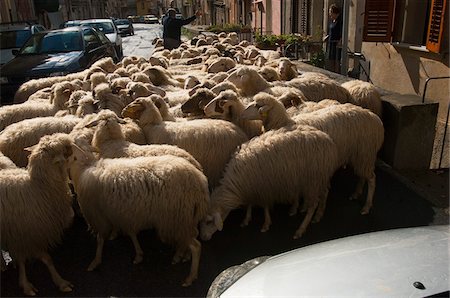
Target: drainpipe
<point>344,54</point>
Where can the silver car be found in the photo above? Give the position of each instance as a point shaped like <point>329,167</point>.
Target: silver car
<point>408,262</point>
<point>107,27</point>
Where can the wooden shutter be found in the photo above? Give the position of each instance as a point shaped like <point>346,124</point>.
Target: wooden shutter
<point>378,20</point>
<point>436,25</point>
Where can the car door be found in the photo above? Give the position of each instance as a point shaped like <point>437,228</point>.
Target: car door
<point>110,50</point>
<point>95,49</point>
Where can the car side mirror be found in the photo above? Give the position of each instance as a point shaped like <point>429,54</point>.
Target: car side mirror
<point>15,52</point>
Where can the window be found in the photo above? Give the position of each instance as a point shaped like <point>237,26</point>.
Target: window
<point>414,22</point>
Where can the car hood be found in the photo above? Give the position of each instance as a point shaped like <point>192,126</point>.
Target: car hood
<point>122,26</point>
<point>380,264</point>
<point>6,55</point>
<point>34,64</point>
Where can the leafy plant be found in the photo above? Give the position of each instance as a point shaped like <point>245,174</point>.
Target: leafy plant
<point>318,59</point>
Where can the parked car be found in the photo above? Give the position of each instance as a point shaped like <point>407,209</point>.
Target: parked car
<point>107,27</point>
<point>70,24</point>
<point>150,19</point>
<point>13,36</point>
<point>408,262</point>
<point>53,53</point>
<point>125,26</point>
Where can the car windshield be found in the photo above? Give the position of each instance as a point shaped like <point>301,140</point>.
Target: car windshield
<point>122,22</point>
<point>106,27</point>
<point>53,42</point>
<point>13,39</point>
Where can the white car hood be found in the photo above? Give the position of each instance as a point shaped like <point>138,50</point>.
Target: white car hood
<point>377,264</point>
<point>114,38</point>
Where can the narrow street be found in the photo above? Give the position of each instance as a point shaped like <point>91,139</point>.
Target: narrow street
<point>140,44</point>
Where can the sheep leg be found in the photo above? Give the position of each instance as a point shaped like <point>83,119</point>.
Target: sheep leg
<point>359,189</point>
<point>294,208</point>
<point>182,254</point>
<point>321,208</point>
<point>63,285</point>
<point>137,247</point>
<point>196,249</point>
<point>98,253</point>
<point>370,192</point>
<point>267,220</point>
<point>28,288</point>
<point>306,221</point>
<point>248,216</point>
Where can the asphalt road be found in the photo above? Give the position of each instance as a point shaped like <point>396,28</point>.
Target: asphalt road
<point>140,44</point>
<point>395,206</point>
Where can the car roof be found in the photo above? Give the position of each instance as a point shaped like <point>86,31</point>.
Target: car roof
<point>96,21</point>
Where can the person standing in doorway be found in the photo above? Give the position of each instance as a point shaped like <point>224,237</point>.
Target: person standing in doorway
<point>334,39</point>
<point>172,28</point>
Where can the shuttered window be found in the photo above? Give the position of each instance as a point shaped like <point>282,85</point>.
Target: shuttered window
<point>378,20</point>
<point>436,25</point>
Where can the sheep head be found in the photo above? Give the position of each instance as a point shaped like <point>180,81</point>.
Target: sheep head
<point>221,64</point>
<point>248,80</point>
<point>144,110</point>
<point>292,99</point>
<point>191,82</point>
<point>212,223</point>
<point>221,106</point>
<point>198,101</point>
<point>287,69</point>
<point>270,74</point>
<point>107,127</point>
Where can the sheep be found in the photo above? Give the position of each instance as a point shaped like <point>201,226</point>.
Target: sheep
<point>358,134</point>
<point>160,76</point>
<point>269,73</point>
<point>122,72</point>
<point>219,77</point>
<point>159,61</point>
<point>107,64</point>
<point>119,84</point>
<point>287,69</point>
<point>260,60</point>
<point>133,133</point>
<point>139,89</point>
<point>197,102</point>
<point>221,64</point>
<point>224,86</point>
<point>41,195</point>
<point>163,107</point>
<point>6,163</point>
<point>107,100</point>
<point>228,106</point>
<point>140,77</point>
<point>365,95</point>
<point>85,106</point>
<point>166,193</point>
<point>109,141</point>
<point>18,136</point>
<point>317,87</point>
<point>191,82</point>
<point>278,166</point>
<point>97,78</point>
<point>220,137</point>
<point>15,113</point>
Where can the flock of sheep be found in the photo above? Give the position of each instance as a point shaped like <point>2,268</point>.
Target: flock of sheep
<point>175,143</point>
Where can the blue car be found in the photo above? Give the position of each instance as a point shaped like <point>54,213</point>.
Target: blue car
<point>53,53</point>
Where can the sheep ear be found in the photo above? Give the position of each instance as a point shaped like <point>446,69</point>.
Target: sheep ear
<point>251,113</point>
<point>218,221</point>
<point>92,124</point>
<point>28,150</point>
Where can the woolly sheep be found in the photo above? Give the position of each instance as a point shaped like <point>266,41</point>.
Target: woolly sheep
<point>140,77</point>
<point>365,95</point>
<point>191,82</point>
<point>160,76</point>
<point>287,69</point>
<point>170,193</point>
<point>41,194</point>
<point>107,100</point>
<point>228,106</point>
<point>260,60</point>
<point>269,73</point>
<point>221,64</point>
<point>109,141</point>
<point>358,134</point>
<point>163,107</point>
<point>220,137</point>
<point>159,61</point>
<point>224,86</point>
<point>196,103</point>
<point>18,136</point>
<point>15,113</point>
<point>258,173</point>
<point>139,89</point>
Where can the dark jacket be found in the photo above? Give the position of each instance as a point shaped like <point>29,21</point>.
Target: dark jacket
<point>172,27</point>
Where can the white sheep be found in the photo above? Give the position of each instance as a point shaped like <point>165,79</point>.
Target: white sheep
<point>107,100</point>
<point>109,141</point>
<point>15,113</point>
<point>166,193</point>
<point>18,136</point>
<point>269,73</point>
<point>41,195</point>
<point>278,166</point>
<point>365,95</point>
<point>221,64</point>
<point>287,69</point>
<point>221,138</point>
<point>358,134</point>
